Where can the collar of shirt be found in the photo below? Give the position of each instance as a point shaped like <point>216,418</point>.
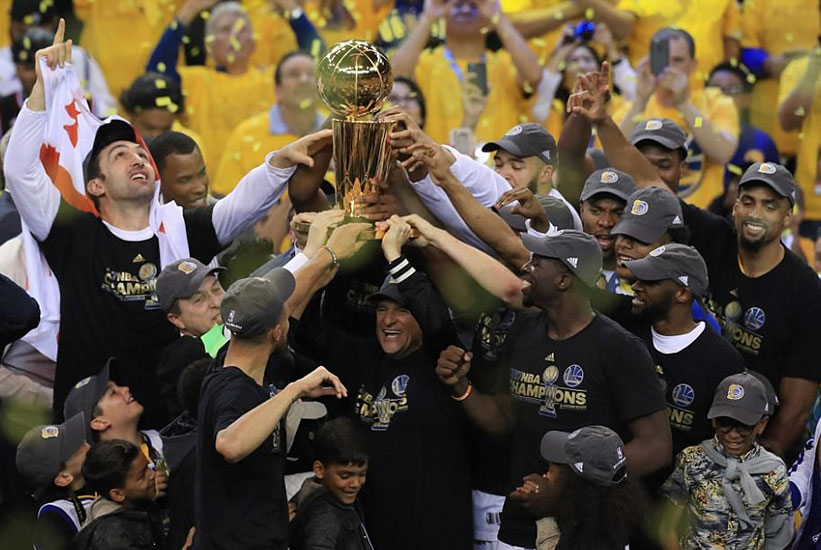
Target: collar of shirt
<point>752,453</point>
<point>277,125</point>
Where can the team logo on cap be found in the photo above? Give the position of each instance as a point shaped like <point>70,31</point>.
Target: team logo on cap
<point>49,431</point>
<point>754,318</point>
<point>83,382</point>
<point>735,392</point>
<point>574,261</point>
<point>683,395</point>
<point>515,131</point>
<point>653,125</point>
<point>573,376</point>
<point>684,279</point>
<point>551,374</point>
<point>187,267</point>
<point>400,385</point>
<point>766,168</point>
<point>640,208</point>
<point>609,177</point>
<point>657,251</point>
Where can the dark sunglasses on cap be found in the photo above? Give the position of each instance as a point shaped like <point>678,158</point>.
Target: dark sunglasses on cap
<point>725,425</point>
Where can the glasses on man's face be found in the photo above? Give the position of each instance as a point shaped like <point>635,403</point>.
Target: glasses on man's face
<point>726,425</point>
<point>732,90</point>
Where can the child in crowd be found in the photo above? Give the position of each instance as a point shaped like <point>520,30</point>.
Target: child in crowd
<point>124,515</point>
<point>328,512</point>
<point>736,492</point>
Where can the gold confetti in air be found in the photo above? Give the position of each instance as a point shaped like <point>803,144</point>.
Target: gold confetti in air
<point>522,119</point>
<point>248,138</point>
<point>210,38</point>
<point>751,78</point>
<point>589,13</point>
<point>230,58</point>
<point>356,16</point>
<point>26,43</point>
<point>257,146</point>
<point>236,155</point>
<point>735,169</point>
<point>538,42</point>
<point>800,111</point>
<point>195,51</point>
<point>734,62</point>
<point>316,47</point>
<point>174,25</point>
<point>205,15</point>
<point>789,37</point>
<point>28,20</point>
<point>24,55</point>
<point>562,66</point>
<point>527,87</point>
<point>239,24</point>
<point>162,101</point>
<point>186,39</point>
<point>593,131</point>
<point>495,18</point>
<point>305,104</point>
<point>145,45</point>
<point>558,15</point>
<point>397,28</point>
<point>484,30</point>
<point>173,107</point>
<point>699,122</point>
<point>801,135</point>
<point>159,84</point>
<point>637,119</point>
<point>235,45</point>
<point>161,67</point>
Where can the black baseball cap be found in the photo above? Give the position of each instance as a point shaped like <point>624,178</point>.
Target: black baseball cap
<point>526,140</point>
<point>255,304</point>
<point>678,262</point>
<point>609,181</point>
<point>181,279</point>
<point>33,12</point>
<point>663,131</point>
<point>558,214</point>
<point>595,453</point>
<point>774,176</point>
<point>741,397</point>
<point>577,250</point>
<point>649,213</point>
<point>44,449</point>
<point>389,291</point>
<point>23,50</point>
<point>111,130</point>
<point>86,393</point>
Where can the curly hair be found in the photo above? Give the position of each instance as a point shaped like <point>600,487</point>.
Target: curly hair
<point>591,514</point>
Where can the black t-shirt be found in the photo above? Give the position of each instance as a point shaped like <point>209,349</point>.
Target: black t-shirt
<point>108,301</point>
<point>690,378</point>
<point>239,505</point>
<point>603,375</point>
<point>171,362</point>
<point>770,319</point>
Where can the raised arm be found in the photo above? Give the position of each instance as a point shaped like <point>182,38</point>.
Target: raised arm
<point>257,192</point>
<point>651,445</point>
<point>36,198</point>
<point>620,21</point>
<point>794,109</point>
<point>787,426</point>
<point>489,273</point>
<point>245,434</point>
<point>525,61</point>
<point>533,23</point>
<point>407,54</point>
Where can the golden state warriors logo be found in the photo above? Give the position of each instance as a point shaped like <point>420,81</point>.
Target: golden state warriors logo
<point>187,267</point>
<point>653,125</point>
<point>766,168</point>
<point>639,208</point>
<point>573,376</point>
<point>515,131</point>
<point>735,392</point>
<point>609,177</point>
<point>754,318</point>
<point>657,251</point>
<point>49,431</point>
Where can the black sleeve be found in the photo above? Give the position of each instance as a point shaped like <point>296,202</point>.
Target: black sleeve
<point>637,391</point>
<point>172,361</point>
<point>67,229</point>
<point>801,357</point>
<point>233,402</point>
<point>202,237</point>
<point>20,312</point>
<point>711,235</point>
<point>423,300</point>
<point>52,531</point>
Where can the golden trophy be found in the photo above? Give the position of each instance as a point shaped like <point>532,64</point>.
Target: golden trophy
<point>354,81</point>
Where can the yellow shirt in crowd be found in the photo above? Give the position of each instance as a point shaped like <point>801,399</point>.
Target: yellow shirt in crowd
<point>807,173</point>
<point>248,145</point>
<point>121,34</point>
<point>708,21</point>
<point>366,20</point>
<point>777,26</point>
<point>216,102</point>
<point>704,179</point>
<point>272,33</point>
<point>441,87</point>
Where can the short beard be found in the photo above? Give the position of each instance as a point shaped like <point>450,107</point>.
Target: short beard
<point>753,247</point>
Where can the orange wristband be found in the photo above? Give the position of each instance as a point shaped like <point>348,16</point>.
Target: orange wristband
<point>464,395</point>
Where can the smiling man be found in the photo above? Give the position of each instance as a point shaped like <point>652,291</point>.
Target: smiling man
<point>107,266</point>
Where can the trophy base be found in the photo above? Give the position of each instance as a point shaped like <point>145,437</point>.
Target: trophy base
<point>367,235</point>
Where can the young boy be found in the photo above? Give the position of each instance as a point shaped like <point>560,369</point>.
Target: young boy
<point>328,513</point>
<point>51,458</point>
<point>123,516</point>
<point>735,491</point>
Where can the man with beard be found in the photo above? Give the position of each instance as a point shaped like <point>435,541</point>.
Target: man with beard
<point>689,356</point>
<point>765,298</point>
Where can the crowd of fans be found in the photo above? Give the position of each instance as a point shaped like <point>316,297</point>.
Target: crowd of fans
<point>579,314</point>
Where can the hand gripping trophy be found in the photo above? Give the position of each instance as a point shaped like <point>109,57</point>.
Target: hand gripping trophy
<point>354,81</point>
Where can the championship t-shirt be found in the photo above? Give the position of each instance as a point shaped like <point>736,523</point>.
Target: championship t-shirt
<point>771,319</point>
<point>602,375</point>
<point>238,505</point>
<point>690,378</point>
<point>108,300</point>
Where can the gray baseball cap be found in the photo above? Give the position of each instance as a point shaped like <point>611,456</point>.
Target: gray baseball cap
<point>649,213</point>
<point>389,291</point>
<point>741,397</point>
<point>254,304</point>
<point>44,449</point>
<point>86,393</point>
<point>595,453</point>
<point>558,213</point>
<point>609,181</point>
<point>181,279</point>
<point>678,262</point>
<point>663,131</point>
<point>775,176</point>
<point>526,140</point>
<point>577,250</point>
